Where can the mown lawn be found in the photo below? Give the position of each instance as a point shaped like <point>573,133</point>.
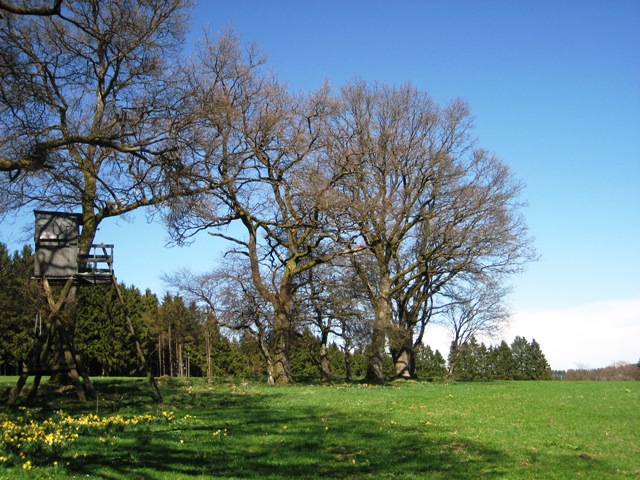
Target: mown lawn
<point>515,430</point>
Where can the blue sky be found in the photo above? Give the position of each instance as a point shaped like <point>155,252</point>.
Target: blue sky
<point>555,90</point>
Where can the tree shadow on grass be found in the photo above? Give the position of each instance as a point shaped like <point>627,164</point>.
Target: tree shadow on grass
<point>111,395</point>
<point>253,434</point>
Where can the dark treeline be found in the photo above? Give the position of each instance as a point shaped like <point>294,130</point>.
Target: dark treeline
<point>181,338</point>
<point>522,360</point>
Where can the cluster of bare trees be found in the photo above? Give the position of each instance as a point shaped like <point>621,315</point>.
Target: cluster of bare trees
<point>367,212</point>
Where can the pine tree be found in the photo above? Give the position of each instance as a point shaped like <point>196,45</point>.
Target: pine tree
<point>430,365</point>
<point>502,362</point>
<point>21,300</point>
<point>303,356</point>
<point>539,367</point>
<point>177,328</point>
<point>482,362</point>
<point>519,348</point>
<point>467,361</point>
<point>337,365</point>
<point>530,362</point>
<point>102,336</point>
<point>245,359</point>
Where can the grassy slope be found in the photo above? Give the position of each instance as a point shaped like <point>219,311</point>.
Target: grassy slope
<point>541,430</point>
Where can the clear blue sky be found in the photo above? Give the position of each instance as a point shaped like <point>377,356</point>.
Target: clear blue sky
<point>555,89</point>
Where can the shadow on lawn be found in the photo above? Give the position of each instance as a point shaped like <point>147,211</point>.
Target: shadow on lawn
<point>268,438</point>
<point>112,394</point>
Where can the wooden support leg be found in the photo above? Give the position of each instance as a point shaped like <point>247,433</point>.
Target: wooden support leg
<point>34,387</point>
<point>91,390</point>
<point>15,393</point>
<point>75,380</point>
<point>66,359</point>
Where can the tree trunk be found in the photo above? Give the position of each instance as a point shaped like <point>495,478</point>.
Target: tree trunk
<point>208,352</point>
<point>324,362</point>
<point>375,369</point>
<point>160,359</point>
<point>405,365</point>
<point>282,371</point>
<point>402,354</point>
<point>281,364</point>
<point>453,358</point>
<point>264,348</point>
<point>382,307</point>
<point>347,363</point>
<point>170,351</point>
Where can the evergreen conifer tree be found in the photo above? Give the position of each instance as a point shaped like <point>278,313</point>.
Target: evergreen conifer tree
<point>467,361</point>
<point>21,300</point>
<point>430,365</point>
<point>539,367</point>
<point>503,367</point>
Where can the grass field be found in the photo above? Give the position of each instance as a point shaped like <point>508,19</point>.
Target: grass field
<point>514,430</point>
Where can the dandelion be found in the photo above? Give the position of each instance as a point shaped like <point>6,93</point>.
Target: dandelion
<point>27,465</point>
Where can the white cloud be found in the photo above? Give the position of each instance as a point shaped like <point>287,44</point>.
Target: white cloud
<point>593,335</point>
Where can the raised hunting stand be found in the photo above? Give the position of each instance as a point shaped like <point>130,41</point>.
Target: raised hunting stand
<point>58,262</point>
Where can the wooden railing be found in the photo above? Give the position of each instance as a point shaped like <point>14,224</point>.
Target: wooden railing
<point>97,265</point>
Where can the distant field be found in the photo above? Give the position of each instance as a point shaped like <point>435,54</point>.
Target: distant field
<point>514,430</point>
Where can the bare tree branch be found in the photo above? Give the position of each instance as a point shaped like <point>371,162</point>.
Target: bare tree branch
<point>36,11</point>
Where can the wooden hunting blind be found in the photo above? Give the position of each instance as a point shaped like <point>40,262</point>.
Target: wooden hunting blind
<point>57,253</point>
<point>60,259</point>
<point>56,239</point>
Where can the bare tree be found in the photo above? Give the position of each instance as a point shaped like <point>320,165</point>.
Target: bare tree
<point>232,302</point>
<point>275,192</point>
<point>428,204</point>
<point>93,108</point>
<point>472,310</point>
<point>94,114</point>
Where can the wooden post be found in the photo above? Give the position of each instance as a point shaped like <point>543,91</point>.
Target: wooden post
<point>54,335</point>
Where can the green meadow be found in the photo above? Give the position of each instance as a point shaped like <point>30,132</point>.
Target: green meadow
<point>240,430</point>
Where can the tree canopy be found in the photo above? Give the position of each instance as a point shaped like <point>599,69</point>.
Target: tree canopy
<point>359,215</point>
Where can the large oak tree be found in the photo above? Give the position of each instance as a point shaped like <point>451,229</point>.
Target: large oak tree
<point>93,113</point>
<point>429,205</point>
<point>275,190</point>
